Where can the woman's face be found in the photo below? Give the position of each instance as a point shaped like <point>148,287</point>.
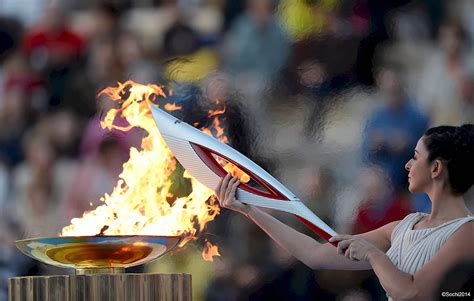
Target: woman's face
<point>419,170</point>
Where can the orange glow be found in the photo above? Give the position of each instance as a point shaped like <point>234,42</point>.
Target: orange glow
<point>172,107</point>
<point>209,251</point>
<point>235,171</point>
<point>141,202</point>
<point>220,134</point>
<point>216,112</point>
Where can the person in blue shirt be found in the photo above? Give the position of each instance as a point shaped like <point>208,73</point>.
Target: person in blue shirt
<point>393,128</point>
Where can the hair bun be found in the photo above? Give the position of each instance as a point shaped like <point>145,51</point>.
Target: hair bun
<point>455,144</point>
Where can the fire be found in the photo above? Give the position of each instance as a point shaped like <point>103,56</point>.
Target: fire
<point>209,251</point>
<point>220,134</point>
<point>172,107</point>
<point>141,202</point>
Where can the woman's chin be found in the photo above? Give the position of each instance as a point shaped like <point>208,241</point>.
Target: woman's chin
<point>413,189</point>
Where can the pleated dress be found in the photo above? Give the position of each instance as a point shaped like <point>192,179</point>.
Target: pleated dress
<point>412,248</point>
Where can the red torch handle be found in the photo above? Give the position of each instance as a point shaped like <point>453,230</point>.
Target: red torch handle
<point>317,230</point>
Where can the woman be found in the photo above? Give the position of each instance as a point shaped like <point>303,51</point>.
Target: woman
<point>411,256</point>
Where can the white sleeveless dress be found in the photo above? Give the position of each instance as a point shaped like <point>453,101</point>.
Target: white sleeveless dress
<point>412,248</point>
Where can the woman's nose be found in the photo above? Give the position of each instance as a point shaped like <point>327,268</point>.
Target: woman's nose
<point>407,166</point>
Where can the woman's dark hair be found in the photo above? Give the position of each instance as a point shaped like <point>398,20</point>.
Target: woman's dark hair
<point>454,145</point>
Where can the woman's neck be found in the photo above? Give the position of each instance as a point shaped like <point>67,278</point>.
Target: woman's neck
<point>446,206</point>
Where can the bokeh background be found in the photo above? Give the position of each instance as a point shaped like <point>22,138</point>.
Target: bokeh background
<point>329,96</point>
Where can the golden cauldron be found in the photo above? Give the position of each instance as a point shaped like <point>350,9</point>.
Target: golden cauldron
<point>100,262</point>
<point>98,254</point>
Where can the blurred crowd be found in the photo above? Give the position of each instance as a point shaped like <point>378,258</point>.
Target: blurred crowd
<point>330,96</point>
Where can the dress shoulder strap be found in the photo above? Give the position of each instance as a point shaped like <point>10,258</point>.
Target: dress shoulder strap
<point>405,224</point>
<point>458,224</point>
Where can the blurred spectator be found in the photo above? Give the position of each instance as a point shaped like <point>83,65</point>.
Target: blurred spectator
<point>101,69</point>
<point>302,19</point>
<point>39,185</point>
<point>14,87</point>
<point>97,174</point>
<point>381,204</point>
<point>305,79</point>
<point>256,43</point>
<point>410,24</point>
<point>51,42</point>
<point>446,82</point>
<point>52,50</point>
<point>131,56</point>
<point>15,74</point>
<point>64,130</point>
<point>180,39</point>
<point>107,15</point>
<point>187,60</point>
<point>316,71</point>
<point>192,68</point>
<point>378,13</point>
<point>10,33</point>
<point>15,105</point>
<point>393,128</point>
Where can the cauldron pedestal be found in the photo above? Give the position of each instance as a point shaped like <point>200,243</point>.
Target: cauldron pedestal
<point>101,287</point>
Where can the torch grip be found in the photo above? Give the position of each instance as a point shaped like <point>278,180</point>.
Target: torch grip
<point>317,230</point>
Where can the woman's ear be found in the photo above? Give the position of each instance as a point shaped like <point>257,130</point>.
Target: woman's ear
<point>437,167</point>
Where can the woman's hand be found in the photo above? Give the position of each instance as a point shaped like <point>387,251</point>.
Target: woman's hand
<point>353,247</point>
<point>225,192</point>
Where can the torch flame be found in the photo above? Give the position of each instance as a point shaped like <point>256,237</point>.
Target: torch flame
<point>215,112</point>
<point>209,251</point>
<point>140,203</point>
<point>220,134</point>
<point>172,107</point>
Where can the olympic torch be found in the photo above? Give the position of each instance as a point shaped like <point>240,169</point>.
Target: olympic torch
<point>198,153</point>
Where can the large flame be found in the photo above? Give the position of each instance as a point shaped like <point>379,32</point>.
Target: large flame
<point>140,201</point>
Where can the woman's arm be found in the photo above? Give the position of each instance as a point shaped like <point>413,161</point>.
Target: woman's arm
<point>303,247</point>
<point>421,286</point>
